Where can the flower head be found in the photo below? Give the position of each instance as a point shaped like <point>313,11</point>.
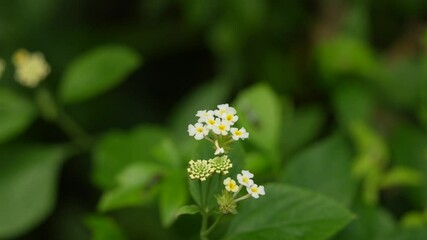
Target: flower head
<point>245,178</point>
<point>221,127</point>
<point>255,190</point>
<point>239,133</point>
<point>31,68</point>
<point>222,108</point>
<point>226,203</point>
<point>204,115</point>
<point>221,164</point>
<point>230,185</point>
<point>210,122</point>
<point>200,169</point>
<point>198,130</point>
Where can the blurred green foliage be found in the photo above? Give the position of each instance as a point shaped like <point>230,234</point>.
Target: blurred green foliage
<point>333,93</point>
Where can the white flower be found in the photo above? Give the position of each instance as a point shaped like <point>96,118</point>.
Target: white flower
<point>219,150</point>
<point>255,190</point>
<point>198,131</point>
<point>230,115</point>
<point>245,178</point>
<point>221,127</point>
<point>239,134</point>
<point>210,122</point>
<point>31,68</point>
<point>230,185</point>
<point>204,115</point>
<point>222,108</point>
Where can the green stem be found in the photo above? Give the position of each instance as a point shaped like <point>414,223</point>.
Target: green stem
<point>72,129</point>
<point>205,218</point>
<point>212,227</point>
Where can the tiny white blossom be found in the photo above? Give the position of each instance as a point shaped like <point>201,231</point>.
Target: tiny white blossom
<point>198,130</point>
<point>239,133</point>
<point>245,178</point>
<point>204,115</point>
<point>210,122</point>
<point>230,115</point>
<point>219,150</point>
<point>255,190</point>
<point>222,108</point>
<point>221,127</point>
<point>230,185</point>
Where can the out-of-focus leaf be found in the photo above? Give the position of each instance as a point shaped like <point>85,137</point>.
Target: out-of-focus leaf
<point>260,112</point>
<point>97,71</point>
<point>414,220</point>
<point>401,176</point>
<point>370,223</point>
<point>104,228</point>
<point>28,176</point>
<point>303,126</point>
<point>410,234</point>
<point>288,213</point>
<point>16,114</point>
<point>345,55</point>
<point>324,167</point>
<point>136,185</point>
<point>115,150</point>
<point>173,194</point>
<point>187,209</point>
<point>352,103</point>
<point>409,148</point>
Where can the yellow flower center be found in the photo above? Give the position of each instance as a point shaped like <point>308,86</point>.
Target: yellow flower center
<point>254,189</point>
<point>229,117</point>
<point>221,127</point>
<point>199,129</point>
<point>245,179</point>
<point>237,133</point>
<point>211,121</point>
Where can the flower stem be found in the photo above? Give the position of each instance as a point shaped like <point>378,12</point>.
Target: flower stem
<point>205,218</point>
<point>242,198</point>
<point>213,226</point>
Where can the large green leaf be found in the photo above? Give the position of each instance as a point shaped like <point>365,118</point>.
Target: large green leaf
<point>27,186</point>
<point>410,234</point>
<point>324,167</point>
<point>16,114</point>
<point>115,150</point>
<point>288,213</point>
<point>260,112</point>
<point>104,228</point>
<point>97,71</point>
<point>136,185</point>
<point>173,195</point>
<point>371,223</point>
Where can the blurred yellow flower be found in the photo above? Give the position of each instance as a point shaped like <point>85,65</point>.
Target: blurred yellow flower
<point>31,68</point>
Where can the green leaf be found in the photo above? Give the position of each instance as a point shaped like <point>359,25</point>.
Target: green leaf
<point>401,176</point>
<point>301,128</point>
<point>173,195</point>
<point>324,167</point>
<point>104,228</point>
<point>187,209</point>
<point>115,150</point>
<point>371,223</point>
<point>16,114</point>
<point>288,213</point>
<point>136,185</point>
<point>96,72</point>
<point>260,112</point>
<point>352,103</point>
<point>409,234</point>
<point>28,176</point>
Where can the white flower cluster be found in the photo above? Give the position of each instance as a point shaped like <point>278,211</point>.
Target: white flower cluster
<point>245,180</point>
<point>219,122</point>
<point>31,68</point>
